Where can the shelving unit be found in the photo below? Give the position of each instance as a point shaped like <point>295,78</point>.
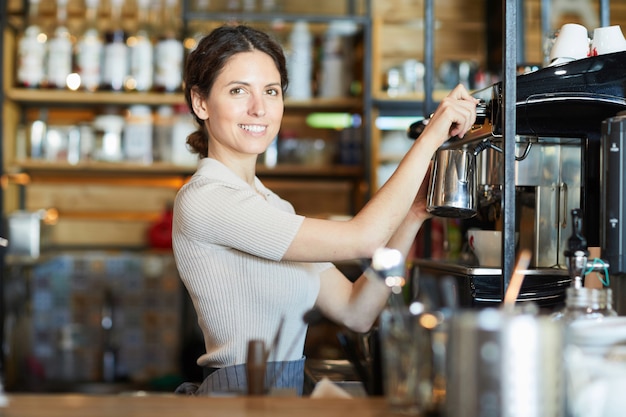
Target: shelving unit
<point>33,97</point>
<point>110,205</point>
<point>325,189</point>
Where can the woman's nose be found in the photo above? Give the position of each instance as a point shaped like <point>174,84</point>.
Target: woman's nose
<point>257,106</point>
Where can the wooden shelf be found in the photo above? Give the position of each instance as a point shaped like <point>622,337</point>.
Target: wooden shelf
<point>100,167</point>
<point>79,98</point>
<point>160,168</point>
<point>381,96</point>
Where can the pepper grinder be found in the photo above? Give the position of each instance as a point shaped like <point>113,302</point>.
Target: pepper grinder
<point>255,367</point>
<point>576,252</point>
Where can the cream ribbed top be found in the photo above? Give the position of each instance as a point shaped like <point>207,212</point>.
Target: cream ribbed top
<point>228,244</point>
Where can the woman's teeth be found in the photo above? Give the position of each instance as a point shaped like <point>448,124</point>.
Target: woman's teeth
<point>253,128</point>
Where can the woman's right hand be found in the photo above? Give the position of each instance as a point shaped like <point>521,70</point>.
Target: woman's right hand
<point>454,116</point>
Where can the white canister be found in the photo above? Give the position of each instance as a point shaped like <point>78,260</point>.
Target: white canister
<point>300,62</point>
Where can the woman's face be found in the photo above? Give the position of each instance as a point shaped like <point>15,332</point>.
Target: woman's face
<point>245,106</point>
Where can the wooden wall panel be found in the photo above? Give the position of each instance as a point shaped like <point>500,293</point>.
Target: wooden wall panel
<point>460,31</point>
<point>85,198</point>
<point>70,232</point>
<point>99,214</point>
<point>119,216</point>
<point>316,198</point>
<point>399,34</point>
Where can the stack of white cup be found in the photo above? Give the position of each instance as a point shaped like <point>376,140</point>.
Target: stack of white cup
<point>573,42</point>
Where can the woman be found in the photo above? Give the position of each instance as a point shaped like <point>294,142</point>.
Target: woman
<point>250,264</point>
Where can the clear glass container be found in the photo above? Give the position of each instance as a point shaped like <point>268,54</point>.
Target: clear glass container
<point>586,304</point>
<point>31,50</point>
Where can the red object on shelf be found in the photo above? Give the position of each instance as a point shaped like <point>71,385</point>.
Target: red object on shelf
<point>160,233</point>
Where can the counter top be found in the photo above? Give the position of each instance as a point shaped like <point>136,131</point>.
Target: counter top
<point>80,405</point>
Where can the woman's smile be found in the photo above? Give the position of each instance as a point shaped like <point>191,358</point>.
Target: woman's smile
<point>254,128</point>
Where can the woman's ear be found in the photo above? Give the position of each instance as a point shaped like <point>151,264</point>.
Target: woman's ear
<point>199,104</point>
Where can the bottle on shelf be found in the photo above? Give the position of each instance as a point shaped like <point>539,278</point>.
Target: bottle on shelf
<point>197,30</point>
<point>337,60</point>
<point>271,6</point>
<point>59,57</point>
<point>169,52</point>
<point>141,49</point>
<point>31,52</point>
<point>88,59</point>
<point>115,58</point>
<point>300,61</point>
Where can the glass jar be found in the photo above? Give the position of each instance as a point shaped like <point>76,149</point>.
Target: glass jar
<point>108,130</point>
<point>586,304</point>
<point>137,134</point>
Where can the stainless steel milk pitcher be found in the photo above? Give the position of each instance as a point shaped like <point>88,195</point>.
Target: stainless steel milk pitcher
<point>452,189</point>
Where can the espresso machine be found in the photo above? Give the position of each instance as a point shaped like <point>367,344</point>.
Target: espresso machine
<point>561,114</point>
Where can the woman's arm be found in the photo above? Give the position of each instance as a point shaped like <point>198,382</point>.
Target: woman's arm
<point>379,223</point>
<point>358,305</point>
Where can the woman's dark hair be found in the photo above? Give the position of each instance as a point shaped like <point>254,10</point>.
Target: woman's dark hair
<point>211,55</point>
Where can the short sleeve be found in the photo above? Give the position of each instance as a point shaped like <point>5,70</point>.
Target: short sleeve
<point>216,213</point>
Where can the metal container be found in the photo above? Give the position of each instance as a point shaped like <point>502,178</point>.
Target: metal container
<point>505,365</point>
<point>452,190</point>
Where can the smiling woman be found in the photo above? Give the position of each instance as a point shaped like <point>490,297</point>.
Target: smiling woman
<point>252,265</point>
<point>230,230</point>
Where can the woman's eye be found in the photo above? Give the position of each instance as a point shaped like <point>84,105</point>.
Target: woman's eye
<point>236,91</point>
<point>272,92</point>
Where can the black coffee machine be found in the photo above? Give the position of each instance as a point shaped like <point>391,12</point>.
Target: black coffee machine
<point>560,114</point>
